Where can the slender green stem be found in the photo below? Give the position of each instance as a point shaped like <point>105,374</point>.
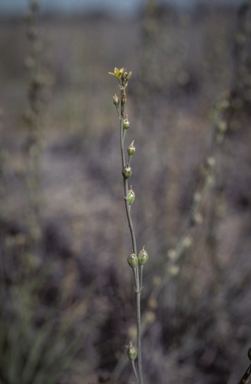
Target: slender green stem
<point>122,143</point>
<point>138,297</point>
<point>141,275</point>
<point>128,214</point>
<point>135,270</point>
<point>122,138</point>
<point>135,371</point>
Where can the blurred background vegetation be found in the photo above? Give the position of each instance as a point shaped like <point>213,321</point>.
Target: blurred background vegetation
<point>67,308</point>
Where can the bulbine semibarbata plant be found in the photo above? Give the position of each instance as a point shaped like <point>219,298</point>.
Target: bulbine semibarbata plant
<point>136,261</point>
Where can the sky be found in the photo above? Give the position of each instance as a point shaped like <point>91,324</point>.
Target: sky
<point>71,6</point>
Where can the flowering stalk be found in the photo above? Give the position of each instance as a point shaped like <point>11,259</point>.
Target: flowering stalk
<point>135,262</point>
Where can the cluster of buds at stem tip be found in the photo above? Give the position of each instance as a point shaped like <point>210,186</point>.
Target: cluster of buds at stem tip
<point>132,260</point>
<point>142,256</point>
<point>125,77</point>
<point>122,75</point>
<point>131,196</point>
<point>127,171</point>
<point>132,352</point>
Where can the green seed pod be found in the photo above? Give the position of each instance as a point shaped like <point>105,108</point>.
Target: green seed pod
<point>131,149</point>
<point>126,123</point>
<point>127,171</point>
<point>249,354</point>
<point>132,352</point>
<point>132,260</point>
<point>131,196</point>
<point>142,256</point>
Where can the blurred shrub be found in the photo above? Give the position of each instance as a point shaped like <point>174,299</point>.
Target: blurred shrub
<point>46,330</point>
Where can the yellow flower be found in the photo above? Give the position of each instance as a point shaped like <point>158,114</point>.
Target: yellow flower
<point>117,73</point>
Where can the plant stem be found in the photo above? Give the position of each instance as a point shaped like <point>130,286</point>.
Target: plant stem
<point>122,141</point>
<point>141,276</point>
<point>134,245</point>
<point>135,371</point>
<point>138,296</point>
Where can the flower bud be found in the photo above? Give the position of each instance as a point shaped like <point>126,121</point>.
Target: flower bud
<point>132,260</point>
<point>126,123</point>
<point>129,76</point>
<point>124,78</point>
<point>132,352</point>
<point>115,100</point>
<point>127,171</point>
<point>131,196</point>
<point>131,149</point>
<point>143,256</point>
